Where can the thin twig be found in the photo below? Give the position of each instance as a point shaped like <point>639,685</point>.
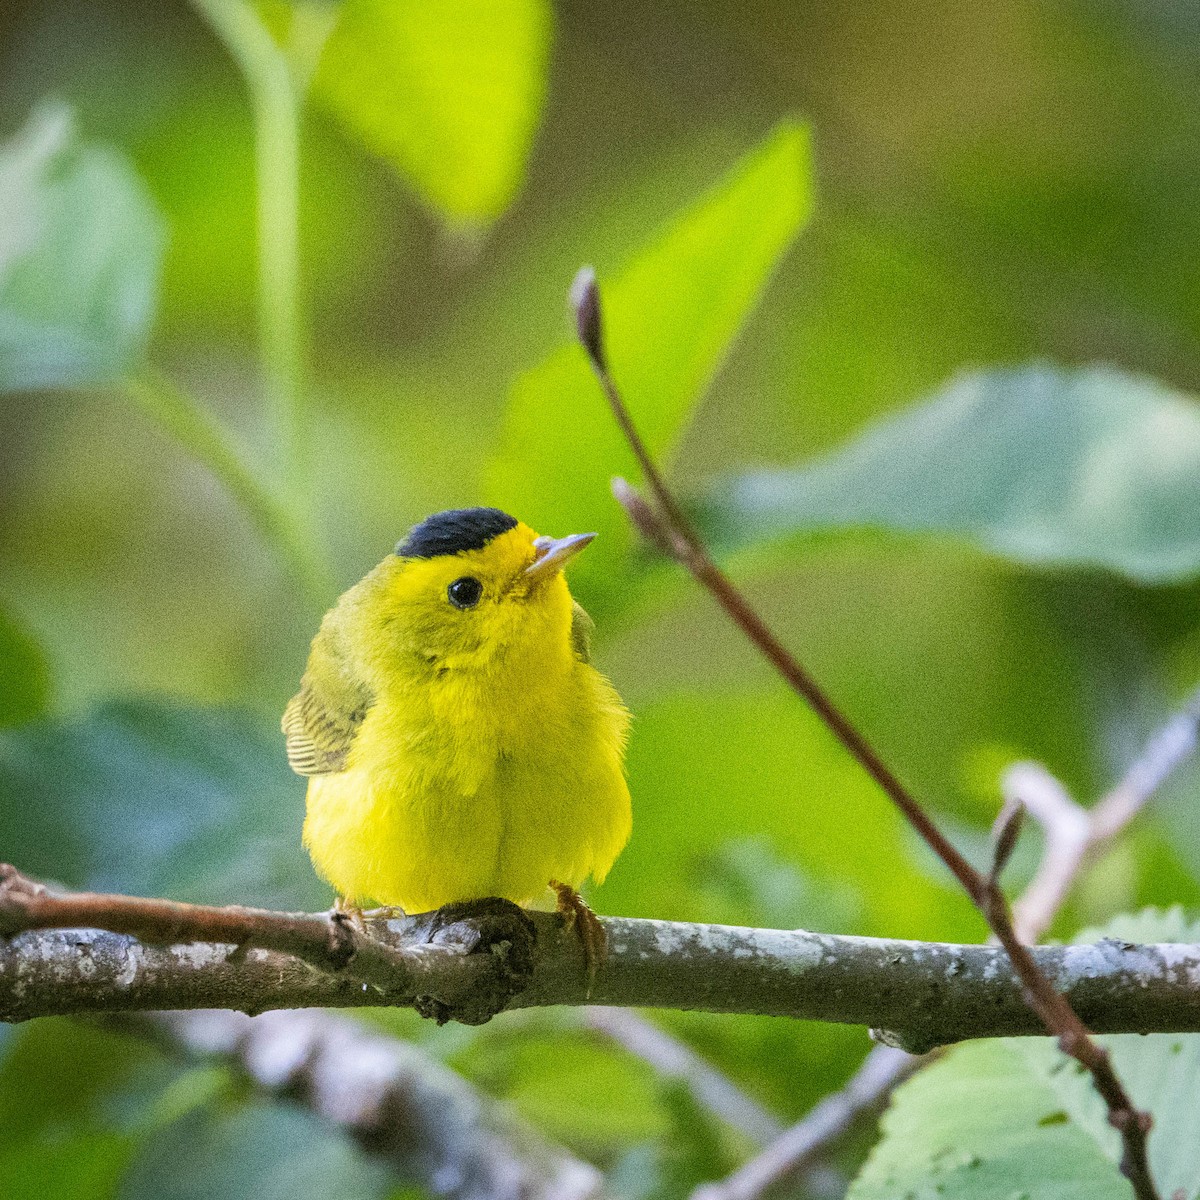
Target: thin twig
<point>1077,836</point>
<point>687,549</point>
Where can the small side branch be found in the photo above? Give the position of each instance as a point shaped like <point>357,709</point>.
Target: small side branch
<point>1077,836</point>
<point>797,1149</point>
<point>328,941</point>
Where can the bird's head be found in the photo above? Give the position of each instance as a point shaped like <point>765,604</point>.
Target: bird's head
<point>466,587</point>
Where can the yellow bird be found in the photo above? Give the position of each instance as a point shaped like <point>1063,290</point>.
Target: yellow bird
<point>459,742</point>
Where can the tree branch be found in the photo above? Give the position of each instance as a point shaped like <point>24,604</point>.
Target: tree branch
<point>924,993</point>
<point>670,529</point>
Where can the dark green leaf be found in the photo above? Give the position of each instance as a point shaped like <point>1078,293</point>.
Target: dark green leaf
<point>197,804</point>
<point>254,1152</point>
<point>1043,465</point>
<point>670,319</point>
<point>448,92</point>
<point>997,1119</point>
<point>79,259</point>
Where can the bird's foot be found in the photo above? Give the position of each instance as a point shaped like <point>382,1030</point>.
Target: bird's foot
<point>489,926</point>
<point>346,910</point>
<point>577,916</point>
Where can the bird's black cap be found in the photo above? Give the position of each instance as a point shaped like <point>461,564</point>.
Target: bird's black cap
<point>455,530</point>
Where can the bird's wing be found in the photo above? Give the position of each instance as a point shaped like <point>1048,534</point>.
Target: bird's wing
<point>581,632</point>
<point>323,718</point>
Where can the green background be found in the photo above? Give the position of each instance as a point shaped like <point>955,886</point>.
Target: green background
<point>905,294</point>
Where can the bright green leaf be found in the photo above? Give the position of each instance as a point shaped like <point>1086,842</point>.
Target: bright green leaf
<point>448,91</point>
<point>670,319</point>
<point>1043,465</point>
<point>196,804</point>
<point>80,245</point>
<point>24,684</point>
<point>994,1120</point>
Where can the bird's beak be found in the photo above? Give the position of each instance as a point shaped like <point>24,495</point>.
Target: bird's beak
<point>553,554</point>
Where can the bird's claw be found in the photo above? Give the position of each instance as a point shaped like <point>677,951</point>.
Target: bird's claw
<point>578,917</point>
<point>350,914</point>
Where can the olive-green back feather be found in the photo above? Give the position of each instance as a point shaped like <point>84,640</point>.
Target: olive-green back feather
<point>322,719</point>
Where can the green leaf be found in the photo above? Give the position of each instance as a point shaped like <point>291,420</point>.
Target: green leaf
<point>994,1120</point>
<point>670,319</point>
<point>1043,465</point>
<point>448,91</point>
<point>80,249</point>
<point>254,1152</point>
<point>24,680</point>
<point>88,1113</point>
<point>196,804</point>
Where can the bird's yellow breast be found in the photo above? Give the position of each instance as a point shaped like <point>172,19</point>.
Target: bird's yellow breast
<point>484,781</point>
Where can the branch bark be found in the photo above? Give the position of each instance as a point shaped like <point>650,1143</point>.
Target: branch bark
<point>925,993</point>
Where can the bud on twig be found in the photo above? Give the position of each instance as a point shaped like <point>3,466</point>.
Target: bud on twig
<point>1005,831</point>
<point>585,304</point>
<point>645,520</point>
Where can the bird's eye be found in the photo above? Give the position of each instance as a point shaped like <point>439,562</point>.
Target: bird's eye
<point>465,592</point>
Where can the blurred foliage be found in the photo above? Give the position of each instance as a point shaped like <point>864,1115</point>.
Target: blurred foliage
<point>995,185</point>
<point>91,1113</point>
<point>79,259</point>
<point>253,1151</point>
<point>215,813</point>
<point>1015,1116</point>
<point>1044,466</point>
<point>24,686</point>
<point>448,91</point>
